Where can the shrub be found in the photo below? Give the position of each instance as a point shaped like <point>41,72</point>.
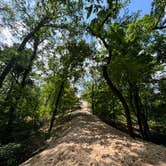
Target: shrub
<point>9,154</point>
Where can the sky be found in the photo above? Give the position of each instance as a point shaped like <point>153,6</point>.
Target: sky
<point>143,5</point>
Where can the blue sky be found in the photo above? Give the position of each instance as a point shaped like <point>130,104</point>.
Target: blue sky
<point>143,5</point>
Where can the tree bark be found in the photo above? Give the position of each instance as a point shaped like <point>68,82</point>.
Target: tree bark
<point>134,107</point>
<point>32,33</point>
<point>118,94</point>
<point>113,112</point>
<point>141,115</point>
<point>92,98</point>
<point>61,87</point>
<point>28,69</point>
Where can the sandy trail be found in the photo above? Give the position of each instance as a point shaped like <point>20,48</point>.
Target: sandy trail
<point>84,140</point>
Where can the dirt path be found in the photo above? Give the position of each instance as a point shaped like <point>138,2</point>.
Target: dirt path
<point>84,140</point>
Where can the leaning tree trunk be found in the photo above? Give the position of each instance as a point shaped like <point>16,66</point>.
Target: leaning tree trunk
<point>12,62</point>
<point>61,87</point>
<point>141,114</point>
<point>118,94</point>
<point>134,106</point>
<point>92,98</point>
<point>33,57</point>
<point>68,66</point>
<point>138,115</point>
<point>113,113</point>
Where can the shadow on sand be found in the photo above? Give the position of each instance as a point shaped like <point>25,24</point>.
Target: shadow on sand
<point>82,139</point>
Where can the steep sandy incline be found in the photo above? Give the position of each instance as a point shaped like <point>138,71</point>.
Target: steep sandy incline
<point>84,140</point>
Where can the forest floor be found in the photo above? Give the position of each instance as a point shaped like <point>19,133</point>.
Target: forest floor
<point>84,140</point>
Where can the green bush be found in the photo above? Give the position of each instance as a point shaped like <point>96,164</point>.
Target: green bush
<point>9,154</point>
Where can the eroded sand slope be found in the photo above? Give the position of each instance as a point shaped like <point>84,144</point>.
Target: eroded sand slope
<point>84,140</point>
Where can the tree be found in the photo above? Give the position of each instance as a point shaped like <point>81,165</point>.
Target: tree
<point>120,38</point>
<point>97,29</point>
<point>40,25</point>
<point>72,58</point>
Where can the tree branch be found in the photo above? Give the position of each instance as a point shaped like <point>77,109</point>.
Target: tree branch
<point>57,26</point>
<point>160,27</point>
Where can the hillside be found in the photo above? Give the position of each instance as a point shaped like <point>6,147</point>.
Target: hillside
<point>84,140</point>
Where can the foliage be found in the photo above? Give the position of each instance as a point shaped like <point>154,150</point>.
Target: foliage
<point>57,44</point>
<point>9,154</point>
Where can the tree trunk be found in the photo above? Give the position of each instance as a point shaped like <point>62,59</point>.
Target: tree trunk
<point>146,126</point>
<point>47,100</point>
<point>138,115</point>
<point>111,85</point>
<point>7,137</point>
<point>28,69</point>
<point>35,116</point>
<point>118,94</point>
<point>6,70</point>
<point>61,87</point>
<point>134,107</point>
<point>92,98</point>
<point>141,115</point>
<point>113,116</point>
<point>11,63</point>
